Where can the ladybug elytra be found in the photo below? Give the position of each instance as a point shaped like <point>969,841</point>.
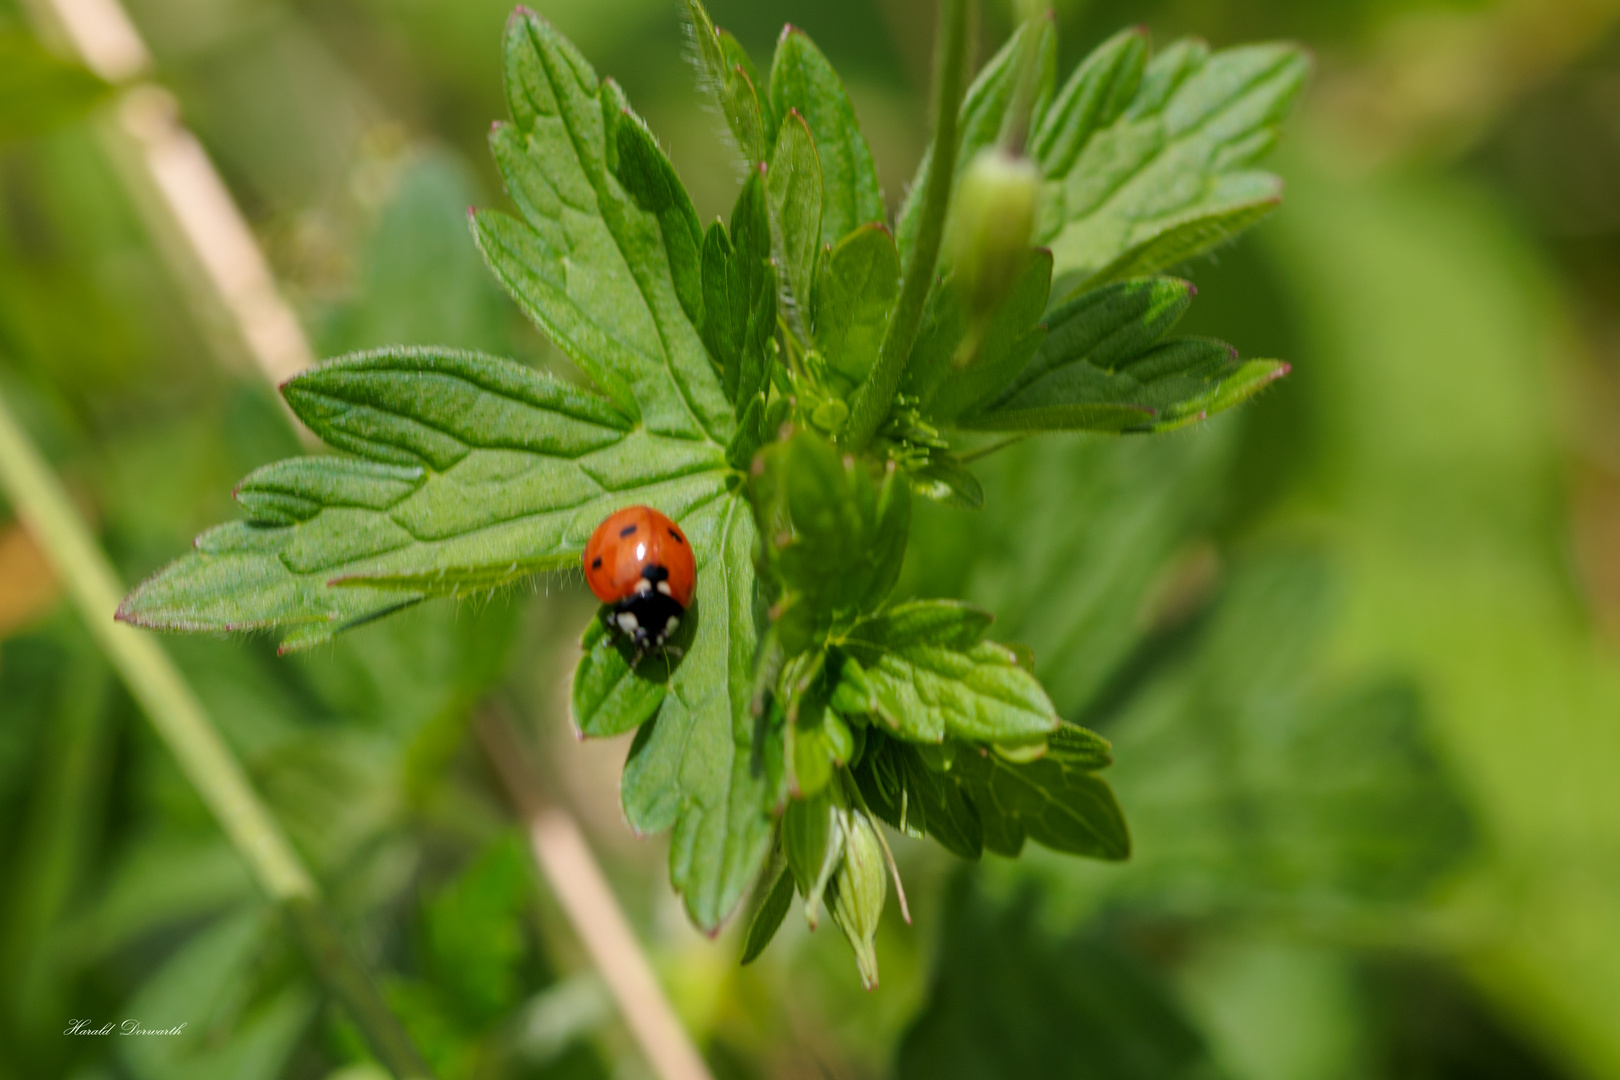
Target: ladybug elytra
<point>639,562</point>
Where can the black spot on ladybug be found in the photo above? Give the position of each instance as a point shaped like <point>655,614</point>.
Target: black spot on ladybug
<point>627,530</point>
<point>597,564</point>
<point>654,573</point>
<point>677,536</point>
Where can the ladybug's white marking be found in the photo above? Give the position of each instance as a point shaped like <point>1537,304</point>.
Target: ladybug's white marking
<point>669,627</point>
<point>643,585</point>
<point>663,587</point>
<point>628,623</point>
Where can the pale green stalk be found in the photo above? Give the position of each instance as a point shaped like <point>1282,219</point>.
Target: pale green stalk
<point>184,726</point>
<point>871,405</point>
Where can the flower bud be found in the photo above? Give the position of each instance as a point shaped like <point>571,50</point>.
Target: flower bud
<point>859,890</point>
<point>992,222</point>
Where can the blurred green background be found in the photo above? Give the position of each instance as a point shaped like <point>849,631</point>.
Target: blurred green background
<point>1356,645</point>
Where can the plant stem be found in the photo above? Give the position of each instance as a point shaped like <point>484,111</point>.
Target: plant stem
<point>876,394</point>
<point>184,727</point>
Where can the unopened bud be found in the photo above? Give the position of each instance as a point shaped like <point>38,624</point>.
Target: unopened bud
<point>992,221</point>
<point>859,890</point>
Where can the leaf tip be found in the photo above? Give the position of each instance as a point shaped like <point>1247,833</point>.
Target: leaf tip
<point>788,30</point>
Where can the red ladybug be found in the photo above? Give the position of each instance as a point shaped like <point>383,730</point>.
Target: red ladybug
<point>639,561</point>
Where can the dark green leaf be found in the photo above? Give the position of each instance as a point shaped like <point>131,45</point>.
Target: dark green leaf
<point>803,81</point>
<point>1055,800</point>
<point>793,192</point>
<point>734,88</point>
<point>1171,176</point>
<point>855,294</point>
<point>1256,780</point>
<point>1003,348</point>
<point>769,913</point>
<point>930,675</point>
<point>1174,384</point>
<point>474,935</point>
<point>1010,999</point>
<point>38,91</point>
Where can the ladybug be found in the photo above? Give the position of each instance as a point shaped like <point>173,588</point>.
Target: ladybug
<point>640,562</point>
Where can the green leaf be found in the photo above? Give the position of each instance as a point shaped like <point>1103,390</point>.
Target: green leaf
<point>1010,998</point>
<point>607,698</point>
<point>916,797</point>
<point>1096,95</point>
<point>807,827</point>
<point>1174,384</point>
<point>1056,800</point>
<point>768,913</point>
<point>1108,327</point>
<point>1171,176</point>
<point>803,81</point>
<point>474,935</point>
<point>606,258</point>
<point>38,91</point>
<point>984,112</point>
<point>692,768</point>
<point>855,294</point>
<point>734,87</point>
<point>849,534</point>
<point>929,675</point>
<point>474,472</point>
<point>739,297</point>
<point>1258,779</point>
<point>954,383</point>
<point>477,472</point>
<point>793,191</point>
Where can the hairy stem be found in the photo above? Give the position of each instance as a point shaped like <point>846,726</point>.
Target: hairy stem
<point>872,400</point>
<point>185,728</point>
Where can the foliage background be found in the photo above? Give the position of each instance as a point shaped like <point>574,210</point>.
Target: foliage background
<point>1356,644</point>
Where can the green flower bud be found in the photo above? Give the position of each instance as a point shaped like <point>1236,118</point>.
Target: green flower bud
<point>858,891</point>
<point>992,222</point>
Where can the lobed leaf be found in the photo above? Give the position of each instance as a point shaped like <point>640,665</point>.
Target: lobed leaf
<point>606,256</point>
<point>1171,175</point>
<point>1056,800</point>
<point>692,768</point>
<point>477,472</point>
<point>929,674</point>
<point>1102,367</point>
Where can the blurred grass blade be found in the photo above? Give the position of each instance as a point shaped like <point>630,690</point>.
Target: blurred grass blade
<point>185,728</point>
